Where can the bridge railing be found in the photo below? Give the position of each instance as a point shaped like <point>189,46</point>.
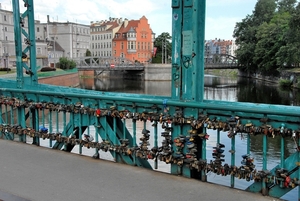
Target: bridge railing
<point>106,62</point>
<point>137,129</point>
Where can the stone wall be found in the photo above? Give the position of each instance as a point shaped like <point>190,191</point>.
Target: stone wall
<point>285,75</point>
<point>61,80</point>
<point>160,72</point>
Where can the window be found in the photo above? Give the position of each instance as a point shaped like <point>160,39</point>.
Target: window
<point>114,44</point>
<point>39,50</point>
<point>122,45</point>
<point>5,18</point>
<point>38,29</point>
<point>131,45</point>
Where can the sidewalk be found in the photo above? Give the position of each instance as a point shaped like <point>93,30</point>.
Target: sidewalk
<point>43,174</point>
<point>8,76</point>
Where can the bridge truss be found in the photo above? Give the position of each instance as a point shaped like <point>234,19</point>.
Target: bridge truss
<point>220,61</point>
<point>185,116</point>
<point>107,63</point>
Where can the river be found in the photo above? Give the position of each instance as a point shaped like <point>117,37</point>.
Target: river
<point>234,89</point>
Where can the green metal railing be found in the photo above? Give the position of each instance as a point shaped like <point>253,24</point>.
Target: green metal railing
<point>64,115</point>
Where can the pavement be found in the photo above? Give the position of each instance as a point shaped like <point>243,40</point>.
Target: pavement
<point>32,173</point>
<point>8,75</point>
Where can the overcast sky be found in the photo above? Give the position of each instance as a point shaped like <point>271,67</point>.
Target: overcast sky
<point>221,15</point>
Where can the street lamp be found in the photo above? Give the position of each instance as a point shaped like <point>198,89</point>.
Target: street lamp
<point>6,61</point>
<point>5,52</point>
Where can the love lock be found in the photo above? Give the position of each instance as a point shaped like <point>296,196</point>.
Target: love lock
<point>287,181</point>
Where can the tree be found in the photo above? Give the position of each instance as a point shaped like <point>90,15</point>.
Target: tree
<point>245,33</point>
<point>286,5</point>
<point>160,41</point>
<point>294,37</point>
<point>65,64</point>
<point>271,38</point>
<point>88,53</point>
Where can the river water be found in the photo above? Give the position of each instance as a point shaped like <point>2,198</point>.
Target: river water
<point>216,88</point>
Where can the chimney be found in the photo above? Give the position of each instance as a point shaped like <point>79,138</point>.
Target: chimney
<point>48,19</point>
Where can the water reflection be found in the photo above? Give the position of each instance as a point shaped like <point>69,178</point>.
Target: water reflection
<point>215,88</point>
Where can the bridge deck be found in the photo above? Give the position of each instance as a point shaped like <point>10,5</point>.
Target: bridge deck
<point>38,173</point>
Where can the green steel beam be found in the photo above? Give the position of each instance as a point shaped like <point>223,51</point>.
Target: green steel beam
<point>19,24</point>
<point>188,24</point>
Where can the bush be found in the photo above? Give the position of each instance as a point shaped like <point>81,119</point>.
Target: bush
<point>5,69</point>
<point>45,69</point>
<point>285,83</point>
<point>65,63</point>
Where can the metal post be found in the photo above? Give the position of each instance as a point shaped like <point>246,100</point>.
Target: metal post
<point>6,62</point>
<point>298,170</point>
<point>264,185</point>
<point>30,40</point>
<point>162,51</point>
<point>232,159</point>
<point>166,57</point>
<point>188,28</point>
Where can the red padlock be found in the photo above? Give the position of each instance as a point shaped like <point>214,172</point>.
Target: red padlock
<point>98,112</point>
<point>287,181</point>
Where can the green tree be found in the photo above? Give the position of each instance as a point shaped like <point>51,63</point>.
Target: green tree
<point>292,49</point>
<point>272,37</point>
<point>160,41</point>
<point>245,33</point>
<point>286,5</point>
<point>65,64</point>
<point>88,53</point>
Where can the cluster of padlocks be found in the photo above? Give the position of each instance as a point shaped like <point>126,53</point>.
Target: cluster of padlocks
<point>182,150</point>
<point>232,125</point>
<point>166,154</point>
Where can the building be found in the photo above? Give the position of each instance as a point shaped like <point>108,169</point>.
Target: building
<point>102,34</point>
<point>52,48</point>
<point>7,41</point>
<point>73,38</point>
<point>219,46</point>
<point>134,41</point>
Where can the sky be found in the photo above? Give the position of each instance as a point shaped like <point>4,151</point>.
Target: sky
<point>221,15</point>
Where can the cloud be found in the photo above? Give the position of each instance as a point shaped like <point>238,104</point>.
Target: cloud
<point>221,27</point>
<point>221,15</point>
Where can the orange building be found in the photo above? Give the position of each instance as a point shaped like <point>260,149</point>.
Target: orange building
<point>134,41</point>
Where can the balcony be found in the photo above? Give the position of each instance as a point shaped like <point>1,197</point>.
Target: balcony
<point>131,50</point>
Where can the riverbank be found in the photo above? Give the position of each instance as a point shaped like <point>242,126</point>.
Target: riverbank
<point>69,78</point>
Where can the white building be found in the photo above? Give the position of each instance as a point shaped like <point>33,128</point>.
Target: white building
<point>74,38</point>
<point>7,41</point>
<point>102,33</point>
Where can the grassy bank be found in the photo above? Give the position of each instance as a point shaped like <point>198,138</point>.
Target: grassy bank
<point>223,72</point>
<point>57,72</point>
